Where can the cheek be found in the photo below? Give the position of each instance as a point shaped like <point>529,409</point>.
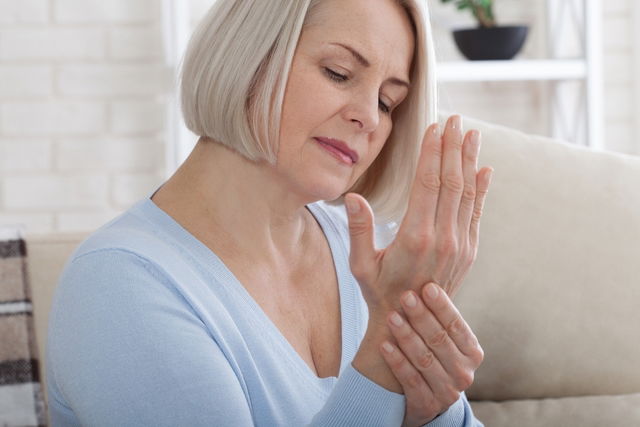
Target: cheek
<point>308,98</point>
<point>377,142</point>
<point>379,137</point>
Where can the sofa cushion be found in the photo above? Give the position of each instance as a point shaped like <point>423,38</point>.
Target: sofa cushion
<point>587,411</point>
<point>554,295</point>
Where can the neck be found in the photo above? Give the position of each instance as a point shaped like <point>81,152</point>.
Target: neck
<point>220,196</point>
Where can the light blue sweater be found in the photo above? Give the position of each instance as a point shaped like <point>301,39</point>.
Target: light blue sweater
<point>149,327</point>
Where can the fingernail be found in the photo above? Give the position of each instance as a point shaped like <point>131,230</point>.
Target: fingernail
<point>435,129</point>
<point>352,206</point>
<point>396,319</point>
<point>410,300</point>
<point>387,347</point>
<point>489,177</point>
<point>456,122</point>
<point>432,291</point>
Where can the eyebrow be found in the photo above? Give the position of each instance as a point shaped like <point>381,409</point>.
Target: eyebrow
<point>365,63</point>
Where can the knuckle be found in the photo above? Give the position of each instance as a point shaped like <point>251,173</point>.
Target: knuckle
<point>358,228</point>
<point>468,154</point>
<point>453,182</point>
<point>468,255</point>
<point>438,339</point>
<point>452,395</point>
<point>425,360</point>
<point>456,326</point>
<point>455,140</point>
<point>447,246</point>
<point>482,191</point>
<point>417,243</point>
<point>414,380</point>
<point>435,147</point>
<point>397,365</point>
<point>469,192</point>
<point>465,380</point>
<point>473,254</point>
<point>431,182</point>
<point>477,212</point>
<point>357,269</point>
<point>477,355</point>
<point>404,333</point>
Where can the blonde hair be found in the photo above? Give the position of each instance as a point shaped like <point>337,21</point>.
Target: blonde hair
<point>234,77</point>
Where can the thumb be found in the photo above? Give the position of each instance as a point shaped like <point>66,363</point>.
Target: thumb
<point>362,254</point>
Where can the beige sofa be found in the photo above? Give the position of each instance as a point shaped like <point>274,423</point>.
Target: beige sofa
<point>554,296</point>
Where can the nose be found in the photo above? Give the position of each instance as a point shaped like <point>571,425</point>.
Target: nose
<point>363,112</point>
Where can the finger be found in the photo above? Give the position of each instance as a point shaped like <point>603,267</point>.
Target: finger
<point>438,302</point>
<point>470,152</point>
<point>422,358</point>
<point>437,339</point>
<point>361,234</point>
<point>425,190</point>
<point>451,176</point>
<point>411,380</point>
<point>483,181</point>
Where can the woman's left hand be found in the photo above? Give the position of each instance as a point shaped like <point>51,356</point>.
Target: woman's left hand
<point>443,354</point>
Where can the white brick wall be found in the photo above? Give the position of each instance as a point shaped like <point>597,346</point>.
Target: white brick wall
<point>25,81</point>
<point>83,95</point>
<point>134,117</point>
<point>114,155</point>
<point>112,80</point>
<point>128,187</point>
<point>52,44</point>
<point>25,155</point>
<point>21,11</point>
<point>142,43</point>
<point>53,117</point>
<point>54,192</point>
<point>112,11</point>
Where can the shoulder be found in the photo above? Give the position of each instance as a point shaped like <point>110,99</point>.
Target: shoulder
<point>127,258</point>
<point>133,235</point>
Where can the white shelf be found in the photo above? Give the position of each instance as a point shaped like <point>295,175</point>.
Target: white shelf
<point>516,69</point>
<point>575,111</point>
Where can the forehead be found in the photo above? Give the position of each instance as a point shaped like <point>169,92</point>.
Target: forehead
<point>379,29</point>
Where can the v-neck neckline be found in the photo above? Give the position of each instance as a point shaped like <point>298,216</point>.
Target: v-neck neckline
<point>339,256</point>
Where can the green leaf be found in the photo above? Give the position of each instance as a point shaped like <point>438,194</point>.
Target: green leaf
<point>482,10</point>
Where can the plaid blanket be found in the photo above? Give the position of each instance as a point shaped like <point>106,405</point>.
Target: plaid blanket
<point>21,400</point>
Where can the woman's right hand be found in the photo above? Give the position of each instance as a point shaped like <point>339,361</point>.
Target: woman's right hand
<point>438,238</point>
<point>435,356</point>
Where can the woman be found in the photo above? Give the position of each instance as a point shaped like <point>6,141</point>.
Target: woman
<point>229,296</point>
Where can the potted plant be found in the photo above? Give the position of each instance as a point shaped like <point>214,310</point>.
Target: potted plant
<point>488,40</point>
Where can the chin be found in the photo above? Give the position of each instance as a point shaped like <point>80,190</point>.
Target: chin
<point>330,188</point>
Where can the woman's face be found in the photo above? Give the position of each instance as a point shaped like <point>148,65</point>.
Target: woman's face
<point>349,72</point>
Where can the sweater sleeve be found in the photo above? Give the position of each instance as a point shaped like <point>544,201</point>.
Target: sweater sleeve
<point>458,415</point>
<point>125,348</point>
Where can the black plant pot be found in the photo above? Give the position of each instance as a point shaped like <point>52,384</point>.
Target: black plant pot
<point>491,43</point>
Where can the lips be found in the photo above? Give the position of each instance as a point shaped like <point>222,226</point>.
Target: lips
<point>340,146</point>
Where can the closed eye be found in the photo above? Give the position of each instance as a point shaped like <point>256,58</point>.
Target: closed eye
<point>384,107</point>
<point>341,78</point>
<point>337,77</point>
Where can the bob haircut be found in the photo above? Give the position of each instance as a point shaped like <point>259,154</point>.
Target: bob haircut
<point>234,77</point>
